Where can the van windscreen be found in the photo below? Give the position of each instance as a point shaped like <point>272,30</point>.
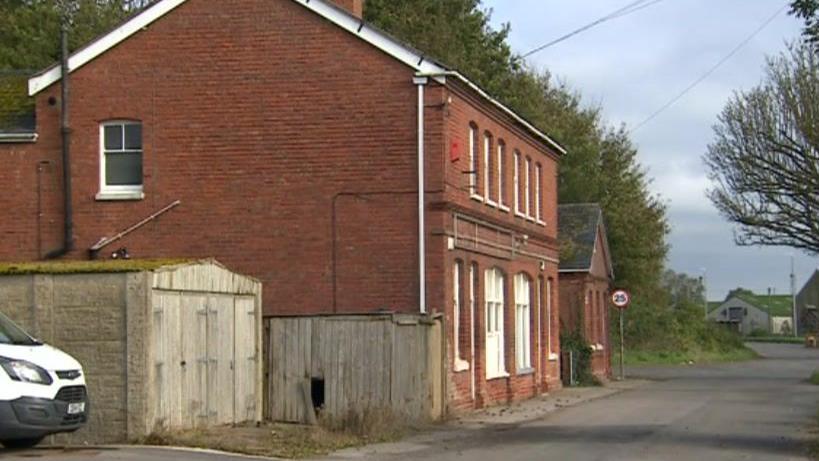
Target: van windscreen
<point>12,334</point>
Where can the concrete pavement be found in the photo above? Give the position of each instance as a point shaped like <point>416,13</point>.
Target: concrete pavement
<point>757,410</point>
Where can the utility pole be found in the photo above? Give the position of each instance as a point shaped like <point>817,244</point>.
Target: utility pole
<point>793,300</point>
<point>704,295</point>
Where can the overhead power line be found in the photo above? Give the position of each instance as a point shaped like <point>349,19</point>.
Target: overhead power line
<point>624,11</point>
<point>710,71</point>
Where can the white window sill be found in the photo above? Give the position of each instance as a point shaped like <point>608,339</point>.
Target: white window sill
<point>503,208</point>
<point>553,357</point>
<point>598,347</point>
<point>541,222</point>
<point>526,371</point>
<point>530,219</point>
<point>461,365</point>
<point>476,197</point>
<point>491,203</point>
<point>499,376</point>
<point>108,196</point>
<point>520,215</point>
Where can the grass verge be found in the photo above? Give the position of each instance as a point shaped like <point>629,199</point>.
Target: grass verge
<point>292,441</point>
<point>814,378</point>
<point>776,339</point>
<point>644,357</point>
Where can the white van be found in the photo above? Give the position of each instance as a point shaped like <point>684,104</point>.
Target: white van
<point>42,389</point>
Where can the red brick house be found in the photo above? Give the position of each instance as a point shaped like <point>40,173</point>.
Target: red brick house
<point>285,138</point>
<point>586,277</point>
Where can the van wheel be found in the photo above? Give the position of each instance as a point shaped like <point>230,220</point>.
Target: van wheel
<point>21,443</point>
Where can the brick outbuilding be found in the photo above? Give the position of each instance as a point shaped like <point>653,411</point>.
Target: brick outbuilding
<point>586,277</point>
<point>282,137</point>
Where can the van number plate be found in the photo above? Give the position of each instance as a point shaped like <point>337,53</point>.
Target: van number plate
<point>76,408</point>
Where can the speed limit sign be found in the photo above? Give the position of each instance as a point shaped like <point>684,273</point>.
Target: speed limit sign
<point>620,299</point>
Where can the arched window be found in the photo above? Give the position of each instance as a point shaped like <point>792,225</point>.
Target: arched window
<point>523,322</point>
<point>516,181</point>
<point>494,307</point>
<point>458,316</point>
<point>502,196</point>
<point>488,168</point>
<point>474,164</point>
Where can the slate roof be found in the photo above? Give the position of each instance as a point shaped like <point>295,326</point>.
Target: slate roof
<point>577,231</point>
<point>16,107</point>
<point>773,305</point>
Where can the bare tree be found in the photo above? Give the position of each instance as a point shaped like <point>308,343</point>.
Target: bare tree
<point>764,161</point>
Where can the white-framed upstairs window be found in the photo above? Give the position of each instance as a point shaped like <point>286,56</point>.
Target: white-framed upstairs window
<point>494,298</point>
<point>516,181</point>
<point>474,167</point>
<point>488,169</point>
<point>502,198</point>
<point>121,155</point>
<point>523,323</point>
<point>538,194</point>
<point>527,184</point>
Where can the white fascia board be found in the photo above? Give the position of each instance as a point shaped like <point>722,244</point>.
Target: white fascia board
<point>372,36</point>
<point>573,270</point>
<point>543,136</point>
<point>102,44</point>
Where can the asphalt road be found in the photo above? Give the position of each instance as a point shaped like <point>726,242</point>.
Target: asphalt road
<point>757,410</point>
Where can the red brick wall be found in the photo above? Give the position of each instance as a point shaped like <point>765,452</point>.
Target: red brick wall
<point>292,147</point>
<point>580,293</point>
<point>459,112</point>
<point>255,115</point>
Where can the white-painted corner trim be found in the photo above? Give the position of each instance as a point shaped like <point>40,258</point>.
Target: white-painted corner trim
<point>101,45</point>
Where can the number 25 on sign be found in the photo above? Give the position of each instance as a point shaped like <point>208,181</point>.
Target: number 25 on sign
<point>620,299</point>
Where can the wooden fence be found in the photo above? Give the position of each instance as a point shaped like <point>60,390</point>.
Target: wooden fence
<point>340,364</point>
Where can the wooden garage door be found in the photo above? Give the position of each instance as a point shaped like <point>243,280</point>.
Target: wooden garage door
<point>205,359</point>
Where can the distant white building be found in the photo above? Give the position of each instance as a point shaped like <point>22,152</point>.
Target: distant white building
<point>747,312</point>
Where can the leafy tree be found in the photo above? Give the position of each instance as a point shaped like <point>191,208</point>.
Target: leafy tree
<point>807,10</point>
<point>683,289</point>
<point>29,37</point>
<point>764,160</point>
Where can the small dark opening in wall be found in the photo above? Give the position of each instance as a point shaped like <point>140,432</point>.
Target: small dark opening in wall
<point>317,392</point>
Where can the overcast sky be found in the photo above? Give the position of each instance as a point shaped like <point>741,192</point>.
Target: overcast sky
<point>631,67</point>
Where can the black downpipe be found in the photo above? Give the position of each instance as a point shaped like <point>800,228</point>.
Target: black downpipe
<point>65,131</point>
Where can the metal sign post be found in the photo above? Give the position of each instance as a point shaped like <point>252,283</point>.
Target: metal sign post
<point>622,347</point>
<point>621,300</point>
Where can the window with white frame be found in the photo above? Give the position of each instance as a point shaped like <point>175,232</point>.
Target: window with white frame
<point>502,200</point>
<point>488,171</point>
<point>516,181</point>
<point>474,169</point>
<point>457,313</point>
<point>523,323</point>
<point>494,297</point>
<point>121,158</point>
<point>538,198</point>
<point>552,355</point>
<point>527,195</point>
